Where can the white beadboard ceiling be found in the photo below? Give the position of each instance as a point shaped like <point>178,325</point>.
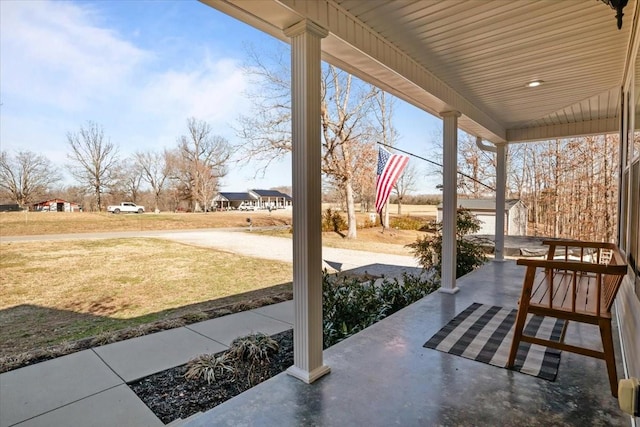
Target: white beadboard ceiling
<point>476,56</point>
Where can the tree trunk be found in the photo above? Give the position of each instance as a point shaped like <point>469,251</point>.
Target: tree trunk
<point>351,210</point>
<point>98,198</point>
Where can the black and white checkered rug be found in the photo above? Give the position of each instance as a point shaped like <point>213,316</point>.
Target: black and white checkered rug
<point>484,333</point>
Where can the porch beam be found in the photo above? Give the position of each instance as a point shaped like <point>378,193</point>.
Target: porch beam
<point>564,130</point>
<point>449,201</point>
<point>307,237</point>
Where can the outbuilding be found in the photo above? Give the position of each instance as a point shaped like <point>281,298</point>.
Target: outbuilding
<point>56,205</point>
<point>515,213</point>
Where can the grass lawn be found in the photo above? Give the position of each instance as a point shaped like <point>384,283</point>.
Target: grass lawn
<point>52,292</point>
<point>36,223</point>
<point>56,292</point>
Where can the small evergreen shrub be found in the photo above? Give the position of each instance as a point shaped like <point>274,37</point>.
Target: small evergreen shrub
<point>333,221</point>
<point>469,254</point>
<point>349,306</point>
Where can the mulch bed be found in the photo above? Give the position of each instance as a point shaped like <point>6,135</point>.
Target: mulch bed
<point>171,396</point>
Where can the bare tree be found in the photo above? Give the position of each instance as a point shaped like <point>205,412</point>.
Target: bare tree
<point>266,131</point>
<point>94,158</point>
<point>201,161</point>
<point>364,185</point>
<point>345,130</point>
<point>567,184</point>
<point>129,180</point>
<point>155,170</point>
<point>387,134</point>
<point>27,175</point>
<point>476,167</point>
<point>345,122</point>
<point>405,184</point>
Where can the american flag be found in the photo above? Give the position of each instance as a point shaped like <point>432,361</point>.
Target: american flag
<point>390,167</point>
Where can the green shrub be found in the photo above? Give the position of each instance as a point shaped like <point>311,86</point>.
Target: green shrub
<point>349,306</point>
<point>333,221</point>
<point>469,255</point>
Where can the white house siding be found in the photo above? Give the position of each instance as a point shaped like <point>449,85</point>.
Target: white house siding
<point>487,223</point>
<point>515,218</point>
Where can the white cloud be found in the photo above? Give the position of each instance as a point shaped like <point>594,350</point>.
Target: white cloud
<point>211,91</point>
<point>62,65</point>
<point>59,62</point>
<point>55,54</point>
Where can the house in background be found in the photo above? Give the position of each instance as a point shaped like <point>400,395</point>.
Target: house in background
<point>56,205</point>
<point>272,198</point>
<point>252,200</point>
<point>515,215</point>
<point>232,201</point>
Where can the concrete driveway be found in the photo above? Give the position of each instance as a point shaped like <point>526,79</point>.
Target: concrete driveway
<point>281,249</point>
<point>254,245</point>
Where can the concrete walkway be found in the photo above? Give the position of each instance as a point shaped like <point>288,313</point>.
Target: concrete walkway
<point>89,388</point>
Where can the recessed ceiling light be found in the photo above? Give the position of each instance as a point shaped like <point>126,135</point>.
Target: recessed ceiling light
<point>534,83</point>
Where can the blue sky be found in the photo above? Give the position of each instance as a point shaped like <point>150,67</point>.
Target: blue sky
<point>140,69</point>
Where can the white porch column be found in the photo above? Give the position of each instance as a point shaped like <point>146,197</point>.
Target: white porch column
<point>307,210</point>
<point>449,201</point>
<point>501,184</point>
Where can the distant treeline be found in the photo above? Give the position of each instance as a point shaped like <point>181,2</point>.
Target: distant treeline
<point>418,199</point>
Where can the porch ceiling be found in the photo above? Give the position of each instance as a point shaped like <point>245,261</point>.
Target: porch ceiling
<point>476,57</point>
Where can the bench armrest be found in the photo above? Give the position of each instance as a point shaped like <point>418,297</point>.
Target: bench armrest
<point>615,269</point>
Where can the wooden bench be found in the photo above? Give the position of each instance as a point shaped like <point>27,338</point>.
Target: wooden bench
<point>580,286</point>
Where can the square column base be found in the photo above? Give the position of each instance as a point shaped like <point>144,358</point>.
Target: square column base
<point>450,291</point>
<point>308,377</point>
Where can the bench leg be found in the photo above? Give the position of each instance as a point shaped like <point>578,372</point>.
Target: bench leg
<point>521,317</point>
<point>609,354</point>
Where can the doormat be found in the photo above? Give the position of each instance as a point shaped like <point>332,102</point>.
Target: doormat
<point>484,333</point>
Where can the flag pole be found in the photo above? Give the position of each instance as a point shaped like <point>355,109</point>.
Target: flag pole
<point>437,164</point>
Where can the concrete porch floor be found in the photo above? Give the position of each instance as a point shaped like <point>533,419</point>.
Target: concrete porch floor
<point>383,376</point>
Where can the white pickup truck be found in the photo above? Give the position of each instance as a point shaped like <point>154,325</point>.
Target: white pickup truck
<point>125,207</point>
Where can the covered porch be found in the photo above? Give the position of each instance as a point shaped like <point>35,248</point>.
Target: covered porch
<point>384,376</point>
<point>505,73</point>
